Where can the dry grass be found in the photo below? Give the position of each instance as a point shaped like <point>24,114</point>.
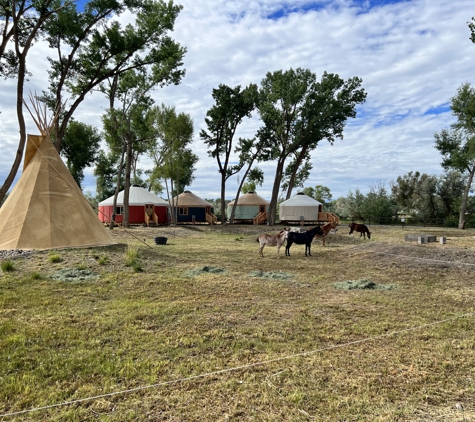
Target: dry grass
<point>305,351</point>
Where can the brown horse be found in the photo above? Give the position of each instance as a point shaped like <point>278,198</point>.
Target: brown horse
<point>272,240</point>
<point>360,228</point>
<point>326,229</point>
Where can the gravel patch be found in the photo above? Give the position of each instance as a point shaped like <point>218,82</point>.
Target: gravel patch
<point>15,254</point>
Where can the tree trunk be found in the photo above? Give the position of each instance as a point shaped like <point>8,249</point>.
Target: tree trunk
<point>171,202</point>
<point>117,188</point>
<point>463,207</point>
<point>21,123</point>
<point>20,85</point>
<point>233,210</point>
<point>298,162</point>
<point>128,164</point>
<point>275,191</point>
<point>175,205</point>
<point>223,194</point>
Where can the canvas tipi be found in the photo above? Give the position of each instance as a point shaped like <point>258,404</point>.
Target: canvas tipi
<point>46,209</point>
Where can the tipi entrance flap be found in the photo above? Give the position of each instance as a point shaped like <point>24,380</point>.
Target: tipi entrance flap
<point>33,144</point>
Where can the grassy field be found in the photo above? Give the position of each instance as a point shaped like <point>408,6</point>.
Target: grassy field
<point>202,329</point>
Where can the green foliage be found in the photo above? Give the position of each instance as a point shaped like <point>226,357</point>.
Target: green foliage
<point>132,258</point>
<point>54,258</point>
<point>353,205</point>
<point>255,178</point>
<point>92,49</point>
<point>92,199</point>
<point>36,276</point>
<point>457,144</point>
<point>174,161</point>
<point>222,119</point>
<point>377,203</point>
<point>450,190</point>
<point>7,266</point>
<point>106,174</point>
<point>296,173</point>
<point>297,113</point>
<point>80,148</point>
<point>319,192</point>
<point>21,24</point>
<point>429,196</point>
<point>103,260</point>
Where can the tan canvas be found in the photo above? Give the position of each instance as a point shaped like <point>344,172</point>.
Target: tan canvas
<point>189,199</point>
<point>46,209</point>
<point>251,199</point>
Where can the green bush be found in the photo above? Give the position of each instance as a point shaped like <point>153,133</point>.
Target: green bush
<point>54,258</point>
<point>131,259</point>
<point>36,276</point>
<point>7,266</point>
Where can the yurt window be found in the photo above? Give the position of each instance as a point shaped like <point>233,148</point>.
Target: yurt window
<point>183,211</point>
<point>119,210</point>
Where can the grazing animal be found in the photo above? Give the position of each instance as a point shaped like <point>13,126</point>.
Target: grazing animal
<point>360,228</point>
<point>326,229</point>
<point>304,238</point>
<point>272,240</point>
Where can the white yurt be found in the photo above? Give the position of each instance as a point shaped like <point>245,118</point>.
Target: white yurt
<point>300,208</point>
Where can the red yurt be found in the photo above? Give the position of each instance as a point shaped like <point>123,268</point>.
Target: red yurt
<point>144,208</point>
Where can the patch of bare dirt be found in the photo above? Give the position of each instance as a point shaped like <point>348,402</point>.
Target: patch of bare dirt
<point>419,256</point>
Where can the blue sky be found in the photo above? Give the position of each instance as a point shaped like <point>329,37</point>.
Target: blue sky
<point>412,57</point>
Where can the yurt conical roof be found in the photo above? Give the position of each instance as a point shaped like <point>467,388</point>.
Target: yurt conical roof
<point>189,199</point>
<point>250,198</point>
<point>46,209</point>
<point>137,196</point>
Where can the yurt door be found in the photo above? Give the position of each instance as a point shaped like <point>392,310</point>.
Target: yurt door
<point>262,208</point>
<point>148,213</point>
<point>149,209</point>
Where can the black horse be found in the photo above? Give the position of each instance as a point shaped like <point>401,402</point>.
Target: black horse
<point>304,238</point>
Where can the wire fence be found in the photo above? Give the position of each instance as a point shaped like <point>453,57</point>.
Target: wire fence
<point>411,221</point>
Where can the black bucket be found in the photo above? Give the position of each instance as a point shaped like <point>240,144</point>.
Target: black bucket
<point>160,240</point>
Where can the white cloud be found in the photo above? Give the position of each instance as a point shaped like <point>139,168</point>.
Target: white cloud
<point>411,55</point>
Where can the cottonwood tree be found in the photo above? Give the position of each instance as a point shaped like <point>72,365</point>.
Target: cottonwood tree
<point>250,151</point>
<point>222,120</point>
<point>471,25</point>
<point>319,192</point>
<point>450,189</point>
<point>457,144</point>
<point>21,24</point>
<point>355,205</point>
<point>403,190</point>
<point>126,124</point>
<point>174,161</point>
<point>106,171</point>
<point>377,203</point>
<point>298,112</point>
<point>295,173</point>
<point>92,47</point>
<point>417,194</point>
<point>80,148</point>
